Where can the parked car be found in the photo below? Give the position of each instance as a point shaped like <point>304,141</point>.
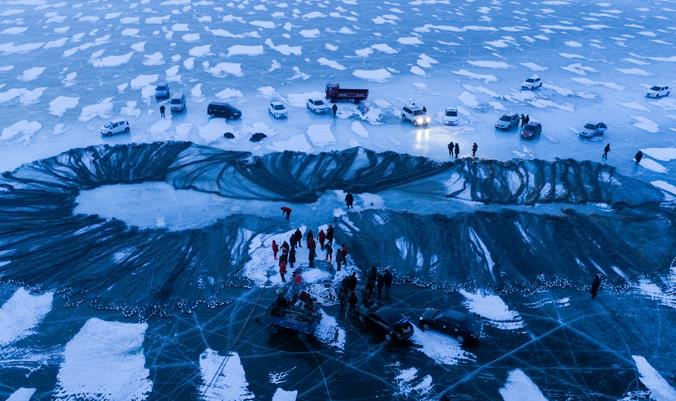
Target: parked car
<point>415,114</point>
<point>177,103</point>
<point>508,121</point>
<point>450,322</point>
<point>225,110</point>
<point>531,83</point>
<point>531,130</point>
<point>317,105</point>
<point>451,116</point>
<point>658,91</point>
<point>334,93</point>
<point>115,127</point>
<point>591,130</point>
<point>162,91</point>
<point>277,110</point>
<point>387,323</point>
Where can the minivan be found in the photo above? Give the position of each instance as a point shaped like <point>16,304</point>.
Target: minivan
<point>225,110</point>
<point>177,103</point>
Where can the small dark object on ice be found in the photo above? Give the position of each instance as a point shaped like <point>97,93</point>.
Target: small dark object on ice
<point>229,135</point>
<point>257,137</point>
<point>596,284</point>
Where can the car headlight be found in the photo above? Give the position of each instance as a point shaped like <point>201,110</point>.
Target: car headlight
<point>419,119</point>
<point>427,119</point>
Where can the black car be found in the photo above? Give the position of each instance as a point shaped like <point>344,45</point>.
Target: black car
<point>225,110</point>
<point>387,323</point>
<point>450,322</point>
<point>531,130</point>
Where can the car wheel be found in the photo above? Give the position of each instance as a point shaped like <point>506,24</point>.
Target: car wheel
<point>109,133</point>
<point>425,326</point>
<point>301,336</point>
<point>126,130</point>
<point>403,117</point>
<point>459,338</point>
<point>388,337</point>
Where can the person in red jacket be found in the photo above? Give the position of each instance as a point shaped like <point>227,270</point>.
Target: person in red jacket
<point>286,211</point>
<point>322,238</point>
<point>275,249</point>
<point>282,269</point>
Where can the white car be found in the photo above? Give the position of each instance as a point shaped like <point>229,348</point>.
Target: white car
<point>415,114</point>
<point>508,121</point>
<point>177,103</point>
<point>532,83</point>
<point>317,105</point>
<point>451,116</point>
<point>115,127</point>
<point>658,91</point>
<point>277,110</point>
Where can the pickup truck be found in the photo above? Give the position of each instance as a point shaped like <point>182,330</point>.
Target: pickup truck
<point>335,93</point>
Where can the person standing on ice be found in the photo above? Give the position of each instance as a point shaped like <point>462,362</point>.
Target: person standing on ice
<point>526,119</point>
<point>275,249</point>
<point>292,256</point>
<point>596,285</point>
<point>457,150</point>
<point>387,281</point>
<point>162,110</point>
<point>475,147</point>
<point>339,260</point>
<point>329,252</point>
<point>292,240</point>
<point>285,247</point>
<point>638,157</point>
<point>605,151</point>
<point>373,276</point>
<point>352,282</point>
<point>334,109</point>
<point>349,200</point>
<point>311,257</point>
<point>522,120</point>
<point>380,282</point>
<point>299,237</point>
<point>282,270</point>
<point>321,237</point>
<point>329,234</point>
<point>450,148</point>
<point>286,212</point>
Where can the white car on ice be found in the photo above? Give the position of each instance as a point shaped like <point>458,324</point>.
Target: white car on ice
<point>415,114</point>
<point>451,116</point>
<point>508,121</point>
<point>115,127</point>
<point>277,110</point>
<point>531,83</point>
<point>317,105</point>
<point>658,91</point>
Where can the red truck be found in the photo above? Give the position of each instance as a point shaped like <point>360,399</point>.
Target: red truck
<point>335,93</point>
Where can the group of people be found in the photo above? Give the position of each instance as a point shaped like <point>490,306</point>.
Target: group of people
<point>325,238</point>
<point>454,149</point>
<point>524,119</point>
<point>373,290</point>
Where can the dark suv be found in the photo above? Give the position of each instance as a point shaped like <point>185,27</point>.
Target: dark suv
<point>225,110</point>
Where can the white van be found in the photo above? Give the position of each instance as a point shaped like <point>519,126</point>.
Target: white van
<point>177,103</point>
<point>115,127</point>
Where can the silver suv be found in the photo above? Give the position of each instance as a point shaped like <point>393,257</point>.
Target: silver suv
<point>415,114</point>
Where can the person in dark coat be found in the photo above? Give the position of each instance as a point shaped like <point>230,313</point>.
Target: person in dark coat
<point>329,252</point>
<point>352,282</point>
<point>638,157</point>
<point>292,240</point>
<point>475,147</point>
<point>292,256</point>
<point>286,212</point>
<point>334,109</point>
<point>343,293</point>
<point>322,237</point>
<point>605,151</point>
<point>162,110</point>
<point>299,237</point>
<point>596,285</point>
<point>424,109</point>
<point>387,281</point>
<point>285,247</point>
<point>373,275</point>
<point>349,200</point>
<point>311,257</point>
<point>450,148</point>
<point>457,150</point>
<point>329,234</point>
<point>275,249</point>
<point>352,302</point>
<point>523,120</point>
<point>380,282</point>
<point>527,119</point>
<point>339,258</point>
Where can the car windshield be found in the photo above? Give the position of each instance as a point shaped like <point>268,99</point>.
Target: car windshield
<point>319,102</point>
<point>278,107</point>
<point>505,118</point>
<point>108,124</point>
<point>530,80</point>
<point>176,100</point>
<point>590,126</point>
<point>655,88</point>
<point>161,87</point>
<point>451,113</point>
<point>418,113</point>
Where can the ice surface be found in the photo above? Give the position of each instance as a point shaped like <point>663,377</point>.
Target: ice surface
<point>284,395</point>
<point>22,394</point>
<point>21,314</point>
<point>104,360</point>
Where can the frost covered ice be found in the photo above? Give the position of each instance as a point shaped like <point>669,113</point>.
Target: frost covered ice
<point>142,270</point>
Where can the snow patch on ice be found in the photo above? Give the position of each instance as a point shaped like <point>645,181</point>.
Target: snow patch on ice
<point>493,308</point>
<point>321,135</point>
<point>520,387</point>
<point>223,377</point>
<point>660,389</point>
<point>22,313</point>
<point>283,395</point>
<point>440,347</point>
<point>23,129</point>
<point>379,75</point>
